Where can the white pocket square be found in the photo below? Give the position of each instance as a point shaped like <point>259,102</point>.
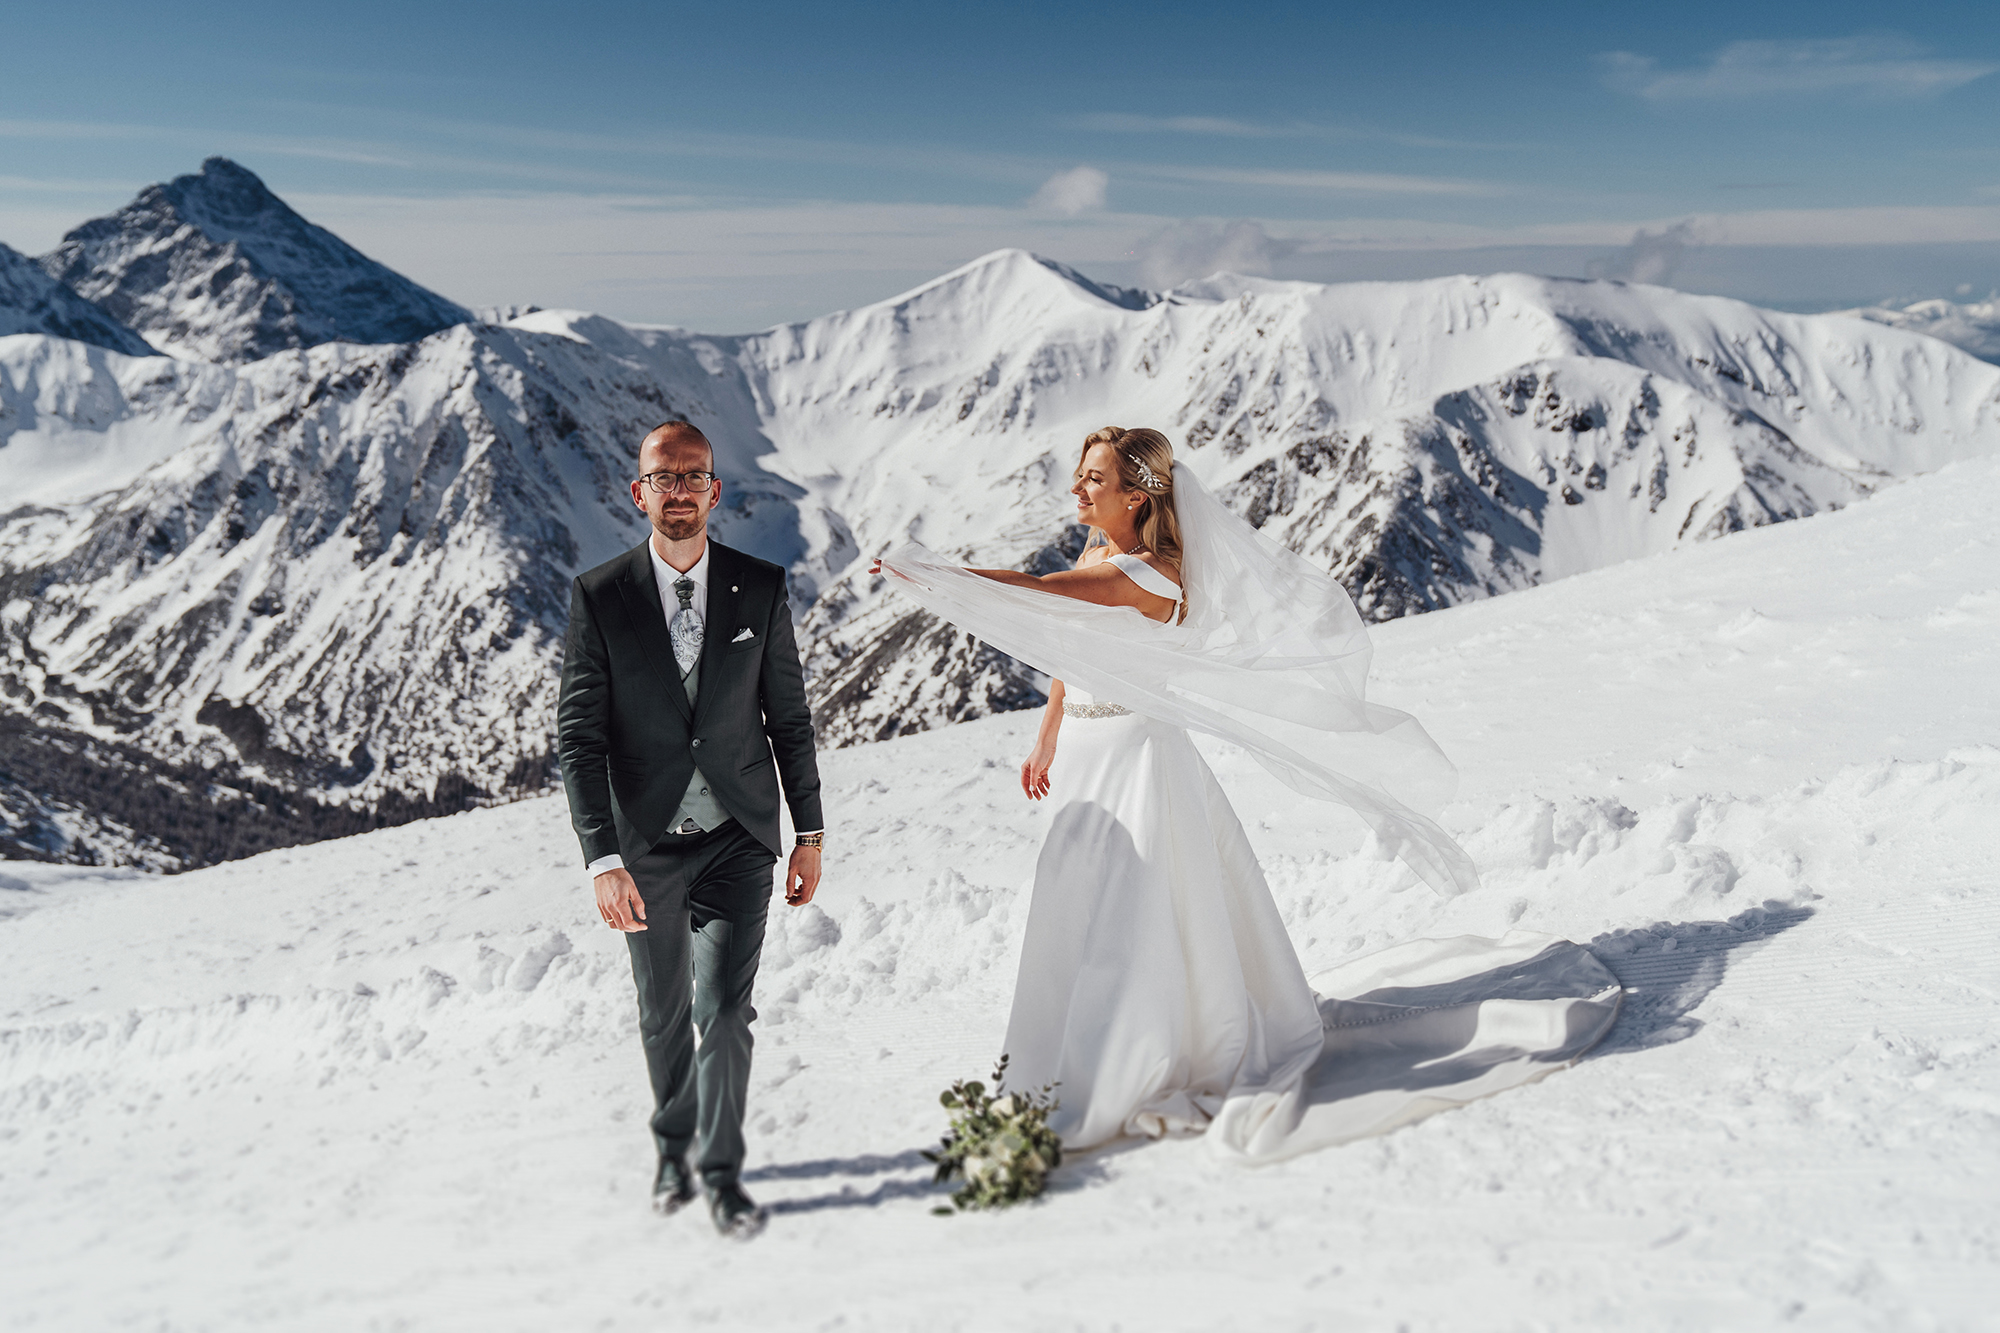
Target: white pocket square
<point>745,633</point>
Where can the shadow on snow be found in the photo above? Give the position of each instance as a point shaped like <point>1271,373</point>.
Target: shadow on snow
<point>1669,968</point>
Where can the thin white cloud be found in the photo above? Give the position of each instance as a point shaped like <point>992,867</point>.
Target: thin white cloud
<point>1315,182</point>
<point>334,150</point>
<point>1227,127</point>
<point>72,129</point>
<point>737,147</point>
<point>1879,67</point>
<point>1118,122</point>
<point>1916,225</point>
<point>60,185</point>
<point>203,142</point>
<point>329,152</point>
<point>1078,190</point>
<point>551,157</point>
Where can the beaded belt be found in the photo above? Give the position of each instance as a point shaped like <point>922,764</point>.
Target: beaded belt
<point>1094,710</point>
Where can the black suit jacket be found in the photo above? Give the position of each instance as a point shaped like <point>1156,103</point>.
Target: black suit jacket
<point>626,734</point>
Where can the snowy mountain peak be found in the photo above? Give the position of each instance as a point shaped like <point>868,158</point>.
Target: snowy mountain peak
<point>33,302</point>
<point>228,584</point>
<point>1125,298</point>
<point>1970,326</point>
<point>229,202</point>
<point>215,267</point>
<point>1016,273</point>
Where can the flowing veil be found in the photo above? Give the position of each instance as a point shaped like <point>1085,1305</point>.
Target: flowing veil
<point>1272,656</point>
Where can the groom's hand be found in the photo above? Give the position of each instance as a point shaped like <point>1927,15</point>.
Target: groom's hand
<point>618,900</point>
<point>802,876</point>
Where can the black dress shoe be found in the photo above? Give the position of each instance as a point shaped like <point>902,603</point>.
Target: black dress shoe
<point>673,1187</point>
<point>735,1216</point>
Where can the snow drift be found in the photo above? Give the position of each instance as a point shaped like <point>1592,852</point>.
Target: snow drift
<point>394,1080</point>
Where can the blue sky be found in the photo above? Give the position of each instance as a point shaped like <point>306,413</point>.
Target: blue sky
<point>726,167</point>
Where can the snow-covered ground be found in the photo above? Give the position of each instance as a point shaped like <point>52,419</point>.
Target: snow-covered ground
<point>394,1082</point>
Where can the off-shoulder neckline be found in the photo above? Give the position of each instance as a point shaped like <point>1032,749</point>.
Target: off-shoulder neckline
<point>1144,575</point>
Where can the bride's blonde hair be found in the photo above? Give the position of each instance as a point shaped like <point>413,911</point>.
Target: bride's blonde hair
<point>1146,468</point>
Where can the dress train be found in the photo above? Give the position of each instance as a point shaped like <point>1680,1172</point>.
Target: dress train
<point>1159,989</point>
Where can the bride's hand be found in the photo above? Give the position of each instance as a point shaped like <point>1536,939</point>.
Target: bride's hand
<point>1035,771</point>
<point>875,565</point>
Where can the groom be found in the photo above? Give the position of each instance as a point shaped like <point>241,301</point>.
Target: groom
<point>682,709</point>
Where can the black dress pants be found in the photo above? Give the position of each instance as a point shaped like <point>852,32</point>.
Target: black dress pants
<point>706,897</point>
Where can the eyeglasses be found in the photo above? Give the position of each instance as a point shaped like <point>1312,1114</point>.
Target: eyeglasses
<point>662,482</point>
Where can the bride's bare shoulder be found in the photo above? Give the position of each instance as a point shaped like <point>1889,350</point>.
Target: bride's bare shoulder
<point>1093,555</point>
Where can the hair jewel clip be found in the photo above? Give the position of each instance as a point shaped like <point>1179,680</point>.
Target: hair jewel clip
<point>1147,477</point>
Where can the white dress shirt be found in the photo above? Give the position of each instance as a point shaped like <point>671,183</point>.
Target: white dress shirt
<point>664,576</point>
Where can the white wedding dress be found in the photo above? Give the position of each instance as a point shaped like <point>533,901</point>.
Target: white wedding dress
<point>1158,988</point>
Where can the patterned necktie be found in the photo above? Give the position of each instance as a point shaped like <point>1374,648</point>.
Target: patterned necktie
<point>686,627</point>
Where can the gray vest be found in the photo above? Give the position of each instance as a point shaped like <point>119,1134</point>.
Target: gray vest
<point>697,803</point>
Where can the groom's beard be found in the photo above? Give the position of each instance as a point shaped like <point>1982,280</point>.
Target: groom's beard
<point>678,527</point>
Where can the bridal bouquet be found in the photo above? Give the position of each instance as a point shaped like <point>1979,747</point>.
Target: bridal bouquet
<point>999,1144</point>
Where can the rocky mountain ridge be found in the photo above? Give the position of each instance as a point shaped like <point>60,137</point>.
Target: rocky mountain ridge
<point>1428,442</point>
<point>33,302</point>
<point>327,585</point>
<point>214,267</point>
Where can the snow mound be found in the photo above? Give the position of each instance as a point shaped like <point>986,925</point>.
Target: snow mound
<point>398,1074</point>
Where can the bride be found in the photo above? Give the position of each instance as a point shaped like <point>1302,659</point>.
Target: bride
<point>1158,988</point>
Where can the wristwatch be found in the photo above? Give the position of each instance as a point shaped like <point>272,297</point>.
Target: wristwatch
<point>810,839</point>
